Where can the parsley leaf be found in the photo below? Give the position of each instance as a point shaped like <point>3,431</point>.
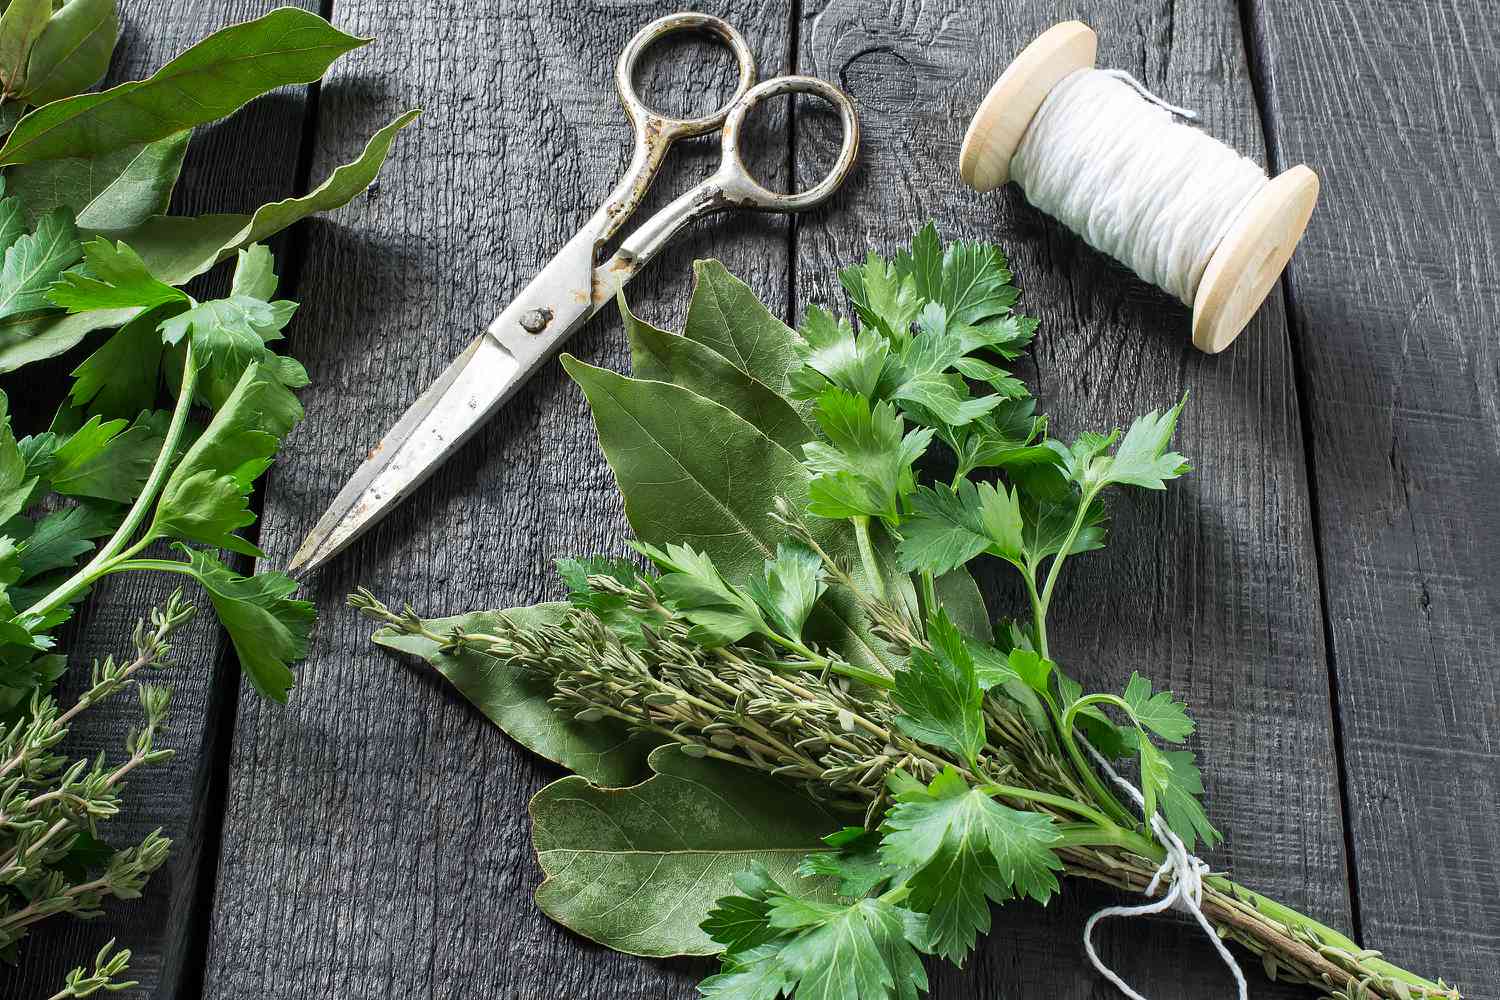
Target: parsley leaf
<point>33,261</point>
<point>833,354</point>
<point>267,626</point>
<point>1141,459</point>
<point>864,468</point>
<point>883,297</point>
<point>1160,712</point>
<point>206,499</point>
<point>949,527</point>
<point>108,460</point>
<point>721,613</point>
<point>856,864</point>
<point>781,944</point>
<point>939,694</point>
<point>792,585</point>
<point>970,280</point>
<point>113,276</point>
<point>967,850</point>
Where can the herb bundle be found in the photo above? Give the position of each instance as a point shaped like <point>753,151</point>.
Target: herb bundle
<point>817,756</point>
<point>149,461</point>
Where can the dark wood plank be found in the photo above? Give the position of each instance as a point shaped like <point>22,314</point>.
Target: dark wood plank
<point>232,166</point>
<point>376,840</point>
<point>1210,588</point>
<point>1395,307</point>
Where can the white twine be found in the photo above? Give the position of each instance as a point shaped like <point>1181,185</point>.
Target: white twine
<point>1108,159</point>
<point>1185,895</point>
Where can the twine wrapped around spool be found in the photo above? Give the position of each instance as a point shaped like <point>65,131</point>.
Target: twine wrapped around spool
<point>1238,246</point>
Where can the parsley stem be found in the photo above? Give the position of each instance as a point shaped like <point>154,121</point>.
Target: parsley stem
<point>161,565</point>
<point>867,555</point>
<point>104,560</point>
<point>1055,570</point>
<point>819,663</point>
<point>1038,612</point>
<point>1058,802</point>
<point>1108,835</point>
<point>929,594</point>
<point>1090,777</point>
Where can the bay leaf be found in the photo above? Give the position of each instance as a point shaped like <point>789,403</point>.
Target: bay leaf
<point>637,869</point>
<point>179,248</point>
<point>604,752</point>
<point>20,25</point>
<point>73,51</point>
<point>114,190</point>
<point>726,316</point>
<point>661,356</point>
<point>226,70</point>
<point>960,597</point>
<point>694,472</point>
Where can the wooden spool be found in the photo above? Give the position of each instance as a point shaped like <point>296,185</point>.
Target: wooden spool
<point>1249,258</point>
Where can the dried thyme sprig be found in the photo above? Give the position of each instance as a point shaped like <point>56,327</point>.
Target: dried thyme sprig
<point>50,809</point>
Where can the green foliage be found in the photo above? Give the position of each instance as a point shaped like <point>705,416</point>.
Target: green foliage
<point>808,618</point>
<point>34,260</point>
<point>864,469</point>
<point>124,469</point>
<point>966,850</point>
<point>939,695</point>
<point>600,750</point>
<point>792,945</point>
<point>638,866</point>
<point>223,72</point>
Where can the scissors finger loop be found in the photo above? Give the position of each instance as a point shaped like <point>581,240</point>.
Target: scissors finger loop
<point>741,189</point>
<point>654,125</point>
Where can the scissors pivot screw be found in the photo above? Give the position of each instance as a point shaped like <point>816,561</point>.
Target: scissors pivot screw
<point>536,320</point>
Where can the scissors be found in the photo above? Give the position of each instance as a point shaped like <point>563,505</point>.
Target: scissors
<point>574,285</point>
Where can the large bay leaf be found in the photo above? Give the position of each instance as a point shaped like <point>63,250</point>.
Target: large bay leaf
<point>668,357</point>
<point>696,473</point>
<point>637,869</point>
<point>210,80</point>
<point>115,190</point>
<point>178,249</point>
<point>725,315</point>
<point>604,752</point>
<point>73,51</point>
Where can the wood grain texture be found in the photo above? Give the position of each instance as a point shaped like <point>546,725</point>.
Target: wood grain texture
<point>376,840</point>
<point>235,165</point>
<point>1395,309</point>
<point>1210,588</point>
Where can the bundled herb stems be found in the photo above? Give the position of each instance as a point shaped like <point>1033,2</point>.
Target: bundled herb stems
<point>808,618</point>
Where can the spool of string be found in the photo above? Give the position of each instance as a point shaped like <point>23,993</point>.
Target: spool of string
<point>1120,168</point>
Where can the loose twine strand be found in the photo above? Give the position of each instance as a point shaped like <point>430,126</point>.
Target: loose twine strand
<point>1185,895</point>
<point>1109,160</point>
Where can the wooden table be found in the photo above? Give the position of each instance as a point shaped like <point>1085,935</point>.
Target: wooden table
<point>1323,589</point>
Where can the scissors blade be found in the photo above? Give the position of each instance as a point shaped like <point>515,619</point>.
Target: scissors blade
<point>478,382</point>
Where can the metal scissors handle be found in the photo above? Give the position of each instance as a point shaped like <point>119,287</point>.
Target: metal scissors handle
<point>574,285</point>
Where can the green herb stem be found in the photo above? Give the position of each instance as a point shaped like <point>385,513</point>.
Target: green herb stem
<point>1096,786</point>
<point>105,560</point>
<point>1055,570</point>
<point>1058,802</point>
<point>929,594</point>
<point>867,555</point>
<point>1108,835</point>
